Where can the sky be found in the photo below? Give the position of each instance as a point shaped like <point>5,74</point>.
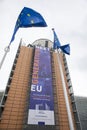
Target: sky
<point>67,17</point>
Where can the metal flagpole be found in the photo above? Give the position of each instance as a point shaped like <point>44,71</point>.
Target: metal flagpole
<point>7,49</point>
<point>65,94</point>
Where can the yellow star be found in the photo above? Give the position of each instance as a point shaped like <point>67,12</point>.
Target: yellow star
<point>32,21</point>
<point>28,15</point>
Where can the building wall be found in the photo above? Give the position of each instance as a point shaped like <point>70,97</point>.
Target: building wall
<point>63,122</point>
<point>62,112</point>
<point>82,110</point>
<point>15,105</point>
<point>67,88</point>
<point>14,112</point>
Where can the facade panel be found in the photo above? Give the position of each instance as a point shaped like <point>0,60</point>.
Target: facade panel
<point>15,105</point>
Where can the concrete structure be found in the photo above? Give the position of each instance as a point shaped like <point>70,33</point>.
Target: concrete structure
<point>16,100</point>
<point>82,110</point>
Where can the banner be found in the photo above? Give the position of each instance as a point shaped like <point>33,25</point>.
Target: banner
<point>41,108</point>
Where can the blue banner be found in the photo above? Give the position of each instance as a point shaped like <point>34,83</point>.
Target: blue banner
<point>41,110</point>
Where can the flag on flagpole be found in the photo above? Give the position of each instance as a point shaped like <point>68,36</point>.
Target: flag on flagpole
<point>28,18</point>
<point>56,44</point>
<point>66,49</point>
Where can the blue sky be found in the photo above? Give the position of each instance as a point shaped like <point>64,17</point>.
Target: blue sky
<point>69,18</point>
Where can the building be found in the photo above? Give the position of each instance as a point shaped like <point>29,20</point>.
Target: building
<point>81,103</point>
<point>39,93</point>
<point>82,110</point>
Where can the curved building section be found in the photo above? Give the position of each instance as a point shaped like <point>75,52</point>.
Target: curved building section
<point>43,43</point>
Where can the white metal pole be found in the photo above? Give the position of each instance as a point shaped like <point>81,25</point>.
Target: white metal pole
<point>66,95</point>
<point>7,49</point>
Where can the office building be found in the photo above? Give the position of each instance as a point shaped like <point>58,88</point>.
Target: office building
<point>82,110</point>
<point>39,93</point>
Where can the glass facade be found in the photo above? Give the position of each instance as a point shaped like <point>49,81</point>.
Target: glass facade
<point>81,103</point>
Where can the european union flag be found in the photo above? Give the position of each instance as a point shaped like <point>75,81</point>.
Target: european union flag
<point>56,44</point>
<point>66,49</point>
<point>28,18</point>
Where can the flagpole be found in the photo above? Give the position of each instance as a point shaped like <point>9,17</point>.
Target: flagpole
<point>65,94</point>
<point>7,49</point>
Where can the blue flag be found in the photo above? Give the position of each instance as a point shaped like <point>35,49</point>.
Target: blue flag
<point>66,49</point>
<point>56,44</point>
<point>28,18</point>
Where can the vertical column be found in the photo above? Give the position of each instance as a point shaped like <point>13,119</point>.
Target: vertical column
<point>62,111</point>
<point>71,125</point>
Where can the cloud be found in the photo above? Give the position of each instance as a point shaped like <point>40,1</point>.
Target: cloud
<point>2,0</point>
<point>82,64</point>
